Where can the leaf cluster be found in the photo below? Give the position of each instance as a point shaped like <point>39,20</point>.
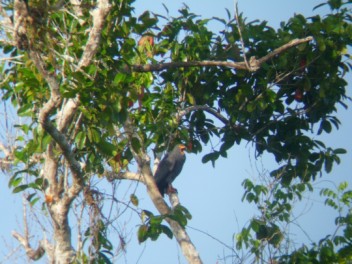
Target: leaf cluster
<point>152,225</point>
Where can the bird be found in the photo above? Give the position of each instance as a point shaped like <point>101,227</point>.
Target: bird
<point>169,168</point>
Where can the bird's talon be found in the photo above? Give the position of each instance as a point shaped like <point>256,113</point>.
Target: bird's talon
<point>171,190</point>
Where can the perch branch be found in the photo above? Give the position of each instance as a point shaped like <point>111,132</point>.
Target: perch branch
<point>179,232</point>
<point>182,236</point>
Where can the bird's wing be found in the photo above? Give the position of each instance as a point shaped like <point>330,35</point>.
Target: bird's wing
<point>163,169</point>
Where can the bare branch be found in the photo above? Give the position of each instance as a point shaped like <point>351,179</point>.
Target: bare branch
<point>188,64</point>
<point>6,22</point>
<point>64,117</point>
<point>66,149</point>
<point>76,4</point>
<point>99,15</point>
<point>240,34</point>
<point>283,48</point>
<point>33,254</point>
<point>205,108</point>
<point>4,149</point>
<point>254,64</point>
<point>50,174</point>
<point>126,175</point>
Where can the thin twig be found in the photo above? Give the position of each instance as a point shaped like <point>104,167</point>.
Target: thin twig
<point>32,254</point>
<point>240,34</point>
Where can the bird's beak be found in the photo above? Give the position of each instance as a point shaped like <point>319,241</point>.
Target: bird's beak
<point>182,148</point>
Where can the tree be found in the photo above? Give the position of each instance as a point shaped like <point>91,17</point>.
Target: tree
<point>98,89</point>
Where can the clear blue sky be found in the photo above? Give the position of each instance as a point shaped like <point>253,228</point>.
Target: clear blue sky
<point>213,196</point>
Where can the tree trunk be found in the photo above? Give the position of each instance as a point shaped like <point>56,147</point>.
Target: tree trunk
<point>63,250</point>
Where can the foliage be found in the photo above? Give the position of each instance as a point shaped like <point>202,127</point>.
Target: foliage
<point>121,108</point>
<point>274,201</point>
<point>264,235</point>
<point>335,248</point>
<point>152,225</point>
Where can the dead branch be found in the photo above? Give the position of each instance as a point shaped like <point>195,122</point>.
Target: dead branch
<point>240,34</point>
<point>33,254</point>
<point>254,64</point>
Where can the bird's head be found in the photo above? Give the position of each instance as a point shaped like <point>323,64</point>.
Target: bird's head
<point>182,148</point>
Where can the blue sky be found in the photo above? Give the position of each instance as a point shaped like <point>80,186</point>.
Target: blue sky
<point>213,195</point>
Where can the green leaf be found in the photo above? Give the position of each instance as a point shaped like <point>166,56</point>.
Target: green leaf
<point>134,199</point>
<point>25,110</point>
<point>328,164</point>
<point>105,258</point>
<point>34,201</point>
<point>93,135</point>
<point>80,140</point>
<point>142,233</point>
<point>167,231</point>
<point>15,181</point>
<point>156,220</point>
<point>20,188</point>
<point>340,151</point>
<point>119,77</point>
<point>136,145</point>
<point>211,157</point>
<point>183,210</point>
<point>107,148</point>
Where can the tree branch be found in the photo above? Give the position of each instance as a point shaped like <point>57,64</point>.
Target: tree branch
<point>254,64</point>
<point>283,48</point>
<point>189,250</point>
<point>205,108</point>
<point>179,232</point>
<point>240,34</point>
<point>99,15</point>
<point>126,175</point>
<point>188,64</point>
<point>60,139</point>
<point>64,117</point>
<point>33,254</point>
<point>6,151</point>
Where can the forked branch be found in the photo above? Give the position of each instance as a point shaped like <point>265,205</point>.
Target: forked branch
<point>253,65</point>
